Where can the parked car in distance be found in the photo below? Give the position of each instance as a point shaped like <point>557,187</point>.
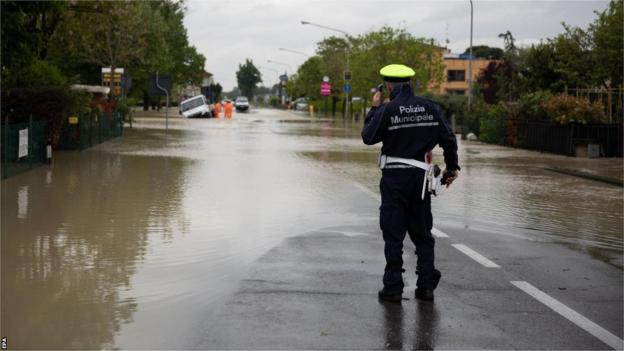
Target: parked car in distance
<point>300,104</point>
<point>241,103</point>
<point>195,107</point>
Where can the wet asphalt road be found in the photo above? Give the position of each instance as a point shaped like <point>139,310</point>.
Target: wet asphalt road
<point>262,232</point>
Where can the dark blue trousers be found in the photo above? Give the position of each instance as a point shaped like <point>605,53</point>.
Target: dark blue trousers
<point>402,210</point>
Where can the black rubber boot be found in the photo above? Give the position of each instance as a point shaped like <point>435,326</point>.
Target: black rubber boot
<point>424,294</point>
<point>388,297</point>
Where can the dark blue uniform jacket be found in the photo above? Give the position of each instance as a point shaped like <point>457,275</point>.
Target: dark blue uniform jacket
<point>409,126</point>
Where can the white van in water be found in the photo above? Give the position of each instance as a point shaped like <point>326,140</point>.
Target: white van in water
<point>194,107</point>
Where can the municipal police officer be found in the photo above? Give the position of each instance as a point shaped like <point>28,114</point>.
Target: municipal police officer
<point>409,127</point>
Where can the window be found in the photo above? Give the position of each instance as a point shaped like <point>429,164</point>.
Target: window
<point>456,75</point>
<point>455,91</point>
<point>191,104</point>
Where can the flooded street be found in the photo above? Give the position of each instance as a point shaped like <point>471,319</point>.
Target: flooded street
<point>133,243</point>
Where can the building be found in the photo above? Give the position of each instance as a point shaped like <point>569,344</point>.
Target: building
<point>456,73</point>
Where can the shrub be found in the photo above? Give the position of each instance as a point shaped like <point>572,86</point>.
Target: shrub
<point>43,104</point>
<point>38,74</point>
<point>493,124</point>
<point>566,109</point>
<point>530,106</point>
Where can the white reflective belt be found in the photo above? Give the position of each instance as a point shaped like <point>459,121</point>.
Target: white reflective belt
<point>408,161</point>
<point>384,160</point>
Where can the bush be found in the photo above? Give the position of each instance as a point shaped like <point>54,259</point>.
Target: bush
<point>530,106</point>
<point>493,125</point>
<point>47,104</point>
<point>274,101</point>
<point>566,109</point>
<point>37,74</point>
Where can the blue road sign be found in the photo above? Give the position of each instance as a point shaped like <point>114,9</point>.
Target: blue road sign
<point>347,88</point>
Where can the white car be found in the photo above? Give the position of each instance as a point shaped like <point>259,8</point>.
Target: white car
<point>301,104</point>
<point>241,103</point>
<point>195,107</point>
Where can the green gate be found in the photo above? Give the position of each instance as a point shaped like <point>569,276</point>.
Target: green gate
<point>23,146</point>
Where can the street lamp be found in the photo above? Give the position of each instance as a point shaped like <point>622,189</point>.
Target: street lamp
<point>348,103</point>
<point>280,63</point>
<point>272,70</point>
<point>295,51</point>
<point>470,63</point>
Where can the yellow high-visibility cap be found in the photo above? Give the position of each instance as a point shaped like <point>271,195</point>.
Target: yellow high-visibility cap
<point>397,71</point>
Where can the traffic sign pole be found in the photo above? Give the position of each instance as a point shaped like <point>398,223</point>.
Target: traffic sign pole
<point>167,110</point>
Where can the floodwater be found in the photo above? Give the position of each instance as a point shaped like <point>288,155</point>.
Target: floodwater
<point>131,244</point>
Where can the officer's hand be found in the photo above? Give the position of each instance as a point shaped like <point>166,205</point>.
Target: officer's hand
<point>451,176</point>
<point>377,99</point>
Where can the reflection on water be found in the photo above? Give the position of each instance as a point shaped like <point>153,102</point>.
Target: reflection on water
<point>422,325</point>
<point>131,244</point>
<point>62,273</point>
<point>498,185</point>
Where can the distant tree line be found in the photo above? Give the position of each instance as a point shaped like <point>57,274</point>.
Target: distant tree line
<point>367,54</point>
<point>575,77</point>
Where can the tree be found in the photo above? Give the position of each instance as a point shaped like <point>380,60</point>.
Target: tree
<point>573,60</point>
<point>609,44</point>
<point>247,77</point>
<point>106,33</point>
<point>27,27</point>
<point>216,91</point>
<point>487,52</point>
<point>510,41</point>
<point>307,80</point>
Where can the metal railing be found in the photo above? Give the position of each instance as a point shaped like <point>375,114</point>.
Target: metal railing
<point>563,139</point>
<point>91,129</point>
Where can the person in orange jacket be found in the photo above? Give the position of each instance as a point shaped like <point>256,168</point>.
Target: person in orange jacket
<point>228,109</point>
<point>217,110</point>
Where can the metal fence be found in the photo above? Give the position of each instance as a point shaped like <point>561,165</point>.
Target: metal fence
<point>81,132</point>
<point>23,146</point>
<point>563,139</point>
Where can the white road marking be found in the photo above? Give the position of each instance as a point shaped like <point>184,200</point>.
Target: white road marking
<point>475,256</point>
<point>573,316</point>
<point>438,234</point>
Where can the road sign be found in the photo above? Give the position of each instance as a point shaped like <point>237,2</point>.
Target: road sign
<point>347,88</point>
<point>347,75</point>
<point>164,81</point>
<point>115,80</point>
<point>107,76</point>
<point>325,89</point>
<point>283,77</point>
<point>325,79</point>
<point>22,149</point>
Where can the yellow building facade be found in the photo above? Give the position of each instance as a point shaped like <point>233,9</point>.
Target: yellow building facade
<point>456,75</point>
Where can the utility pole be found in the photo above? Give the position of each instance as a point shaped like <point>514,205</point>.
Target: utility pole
<point>470,63</point>
<point>166,110</point>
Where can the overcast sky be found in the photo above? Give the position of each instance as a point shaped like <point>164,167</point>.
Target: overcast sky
<point>228,32</point>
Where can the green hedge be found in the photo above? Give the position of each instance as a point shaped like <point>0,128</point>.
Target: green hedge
<point>493,125</point>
